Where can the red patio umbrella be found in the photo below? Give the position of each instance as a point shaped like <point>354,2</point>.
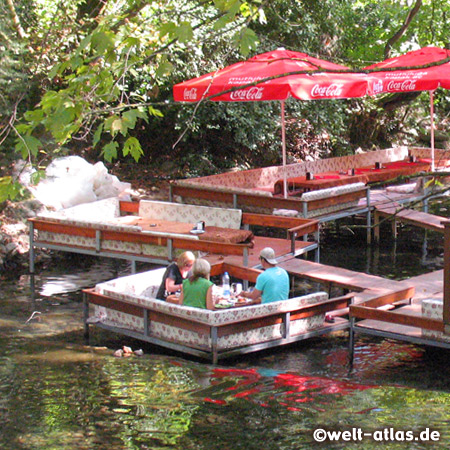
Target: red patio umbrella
<point>419,70</point>
<point>275,75</point>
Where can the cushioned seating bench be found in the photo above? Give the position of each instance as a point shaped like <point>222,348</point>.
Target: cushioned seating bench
<point>96,228</point>
<point>127,306</point>
<point>116,229</point>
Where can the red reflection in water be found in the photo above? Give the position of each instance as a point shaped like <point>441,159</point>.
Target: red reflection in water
<point>386,354</point>
<point>286,389</point>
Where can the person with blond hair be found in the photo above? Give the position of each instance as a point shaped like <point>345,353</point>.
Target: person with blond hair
<point>197,289</point>
<point>175,274</point>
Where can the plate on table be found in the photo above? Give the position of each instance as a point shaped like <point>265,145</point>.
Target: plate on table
<point>243,301</point>
<point>195,231</point>
<point>224,304</point>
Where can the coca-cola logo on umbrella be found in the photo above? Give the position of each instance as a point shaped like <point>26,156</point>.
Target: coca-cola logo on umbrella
<point>401,85</point>
<point>253,93</point>
<point>333,90</point>
<point>190,94</point>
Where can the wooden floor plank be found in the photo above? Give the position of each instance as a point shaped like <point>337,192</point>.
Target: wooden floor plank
<point>412,217</point>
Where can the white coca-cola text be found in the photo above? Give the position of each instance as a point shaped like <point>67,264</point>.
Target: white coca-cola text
<point>333,90</point>
<point>253,93</point>
<point>401,85</point>
<point>190,94</point>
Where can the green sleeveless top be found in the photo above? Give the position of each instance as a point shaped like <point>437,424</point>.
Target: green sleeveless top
<point>194,294</point>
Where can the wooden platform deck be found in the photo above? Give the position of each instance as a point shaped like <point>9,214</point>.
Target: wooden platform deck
<point>402,322</point>
<point>365,286</point>
<point>381,307</point>
<point>396,214</point>
<point>282,248</point>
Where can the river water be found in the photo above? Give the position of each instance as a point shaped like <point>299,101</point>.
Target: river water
<point>57,392</point>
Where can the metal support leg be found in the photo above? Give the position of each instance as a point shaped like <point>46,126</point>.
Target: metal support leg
<point>317,251</point>
<point>85,316</point>
<point>169,250</point>
<point>369,218</point>
<point>215,356</point>
<point>369,229</point>
<point>351,341</point>
<point>31,252</point>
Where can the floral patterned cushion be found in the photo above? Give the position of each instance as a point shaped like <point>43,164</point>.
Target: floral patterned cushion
<point>98,211</point>
<point>266,176</point>
<point>432,308</point>
<point>138,289</point>
<point>178,212</point>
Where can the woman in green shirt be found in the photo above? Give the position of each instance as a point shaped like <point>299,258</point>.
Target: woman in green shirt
<point>197,289</point>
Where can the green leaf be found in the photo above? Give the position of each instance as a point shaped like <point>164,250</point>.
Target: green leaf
<point>108,124</point>
<point>118,125</point>
<point>227,5</point>
<point>8,188</point>
<point>37,176</point>
<point>109,151</point>
<point>164,68</point>
<point>184,32</point>
<point>246,40</point>
<point>130,117</point>
<point>27,145</point>
<point>133,147</point>
<point>97,135</point>
<point>167,29</point>
<point>35,115</point>
<point>103,41</point>
<point>155,112</point>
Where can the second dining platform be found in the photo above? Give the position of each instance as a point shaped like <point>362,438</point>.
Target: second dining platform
<point>369,174</point>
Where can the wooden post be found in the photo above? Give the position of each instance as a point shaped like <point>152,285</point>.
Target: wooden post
<point>446,308</point>
<point>376,227</point>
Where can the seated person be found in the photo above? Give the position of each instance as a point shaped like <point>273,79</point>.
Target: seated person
<point>273,284</point>
<point>197,289</point>
<point>175,274</point>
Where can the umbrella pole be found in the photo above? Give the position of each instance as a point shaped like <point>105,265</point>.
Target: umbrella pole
<point>283,148</point>
<point>432,128</point>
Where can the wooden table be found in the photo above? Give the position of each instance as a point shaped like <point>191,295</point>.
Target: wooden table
<point>366,175</point>
<point>216,234</point>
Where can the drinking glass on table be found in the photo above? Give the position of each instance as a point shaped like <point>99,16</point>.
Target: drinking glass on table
<point>236,289</point>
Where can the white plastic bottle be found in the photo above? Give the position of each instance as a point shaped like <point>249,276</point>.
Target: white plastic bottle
<point>226,285</point>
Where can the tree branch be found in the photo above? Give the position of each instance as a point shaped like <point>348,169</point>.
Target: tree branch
<point>15,19</point>
<point>411,14</point>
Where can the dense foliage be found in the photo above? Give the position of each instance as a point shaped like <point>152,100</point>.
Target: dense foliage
<point>94,77</point>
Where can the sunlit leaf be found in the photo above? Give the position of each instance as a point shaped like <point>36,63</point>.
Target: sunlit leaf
<point>133,147</point>
<point>8,188</point>
<point>155,112</point>
<point>184,32</point>
<point>167,28</point>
